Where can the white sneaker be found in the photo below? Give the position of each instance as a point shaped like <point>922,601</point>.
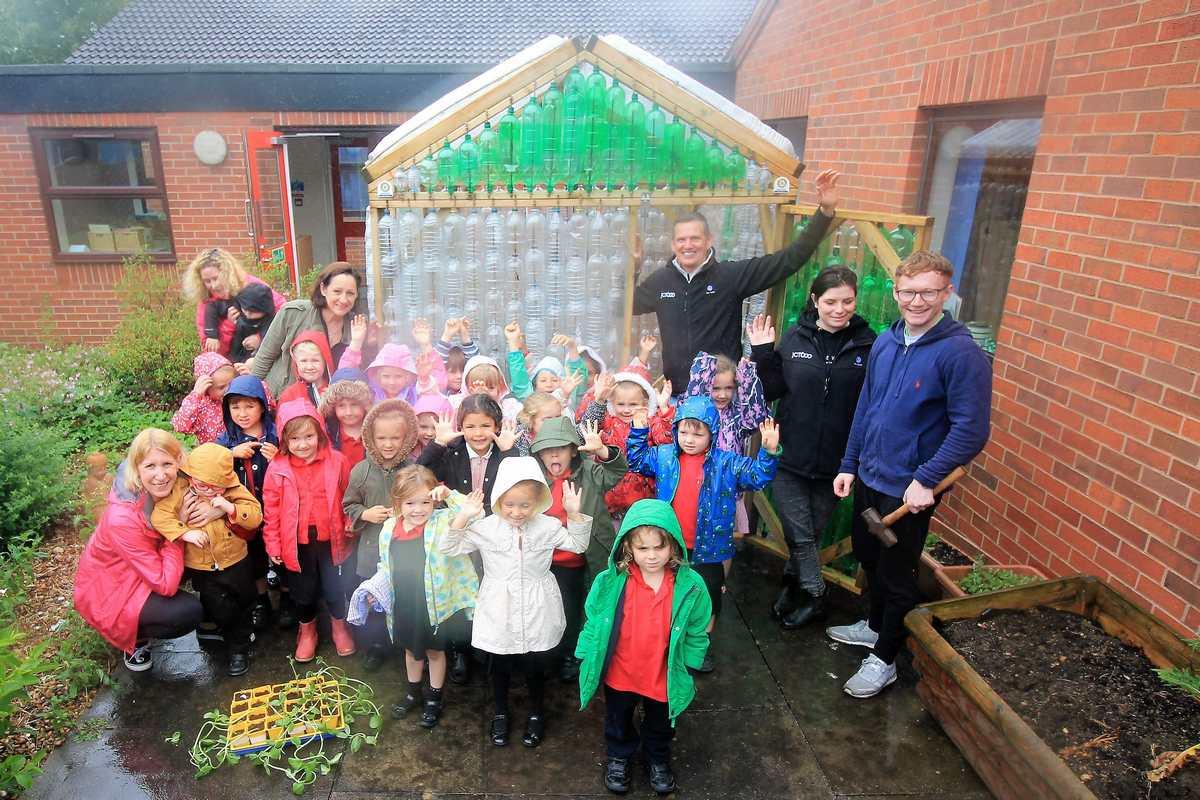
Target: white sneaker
<point>141,659</point>
<point>871,678</point>
<point>859,633</point>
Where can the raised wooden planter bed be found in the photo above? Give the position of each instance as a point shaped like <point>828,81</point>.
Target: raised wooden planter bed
<point>1007,754</point>
<point>948,578</point>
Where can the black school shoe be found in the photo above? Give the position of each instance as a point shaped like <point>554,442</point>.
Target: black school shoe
<point>498,730</point>
<point>239,664</point>
<point>432,710</point>
<point>407,703</point>
<point>460,667</point>
<point>374,658</point>
<point>260,615</point>
<point>568,671</point>
<point>616,775</point>
<point>662,779</point>
<point>535,730</point>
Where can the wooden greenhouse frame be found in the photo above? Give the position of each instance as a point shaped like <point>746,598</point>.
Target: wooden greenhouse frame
<point>487,96</point>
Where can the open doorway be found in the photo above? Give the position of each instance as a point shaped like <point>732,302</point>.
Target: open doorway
<point>329,193</point>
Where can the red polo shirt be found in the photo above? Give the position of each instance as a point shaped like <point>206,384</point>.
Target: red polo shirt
<point>352,449</point>
<point>686,501</point>
<point>639,662</point>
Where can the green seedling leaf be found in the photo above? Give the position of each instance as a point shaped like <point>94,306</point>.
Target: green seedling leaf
<point>298,788</point>
<point>335,759</point>
<point>355,744</point>
<point>174,738</point>
<point>376,721</point>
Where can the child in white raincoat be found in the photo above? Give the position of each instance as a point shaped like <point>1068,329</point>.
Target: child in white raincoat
<point>519,613</point>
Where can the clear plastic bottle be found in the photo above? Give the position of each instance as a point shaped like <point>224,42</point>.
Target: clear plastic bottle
<point>575,239</point>
<point>473,235</point>
<point>388,257</point>
<point>574,282</point>
<point>451,290</point>
<point>535,265</point>
<point>598,236</point>
<point>618,230</point>
<point>535,229</point>
<point>431,256</point>
<point>534,312</point>
<point>428,169</point>
<point>514,234</point>
<point>597,320</point>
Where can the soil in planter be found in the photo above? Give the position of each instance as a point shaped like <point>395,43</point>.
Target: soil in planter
<point>1094,700</point>
<point>949,556</point>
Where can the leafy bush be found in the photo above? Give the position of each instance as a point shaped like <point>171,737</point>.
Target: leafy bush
<point>150,353</point>
<point>34,486</point>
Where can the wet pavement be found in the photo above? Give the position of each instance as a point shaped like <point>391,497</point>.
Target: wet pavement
<point>770,722</point>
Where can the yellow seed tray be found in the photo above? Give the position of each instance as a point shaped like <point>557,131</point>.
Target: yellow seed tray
<point>256,719</point>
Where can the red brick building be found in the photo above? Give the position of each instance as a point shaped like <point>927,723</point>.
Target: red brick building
<point>1094,461</point>
<point>1077,235</point>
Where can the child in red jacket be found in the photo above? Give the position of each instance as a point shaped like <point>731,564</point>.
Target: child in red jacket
<point>305,529</point>
<point>312,364</point>
<point>201,412</point>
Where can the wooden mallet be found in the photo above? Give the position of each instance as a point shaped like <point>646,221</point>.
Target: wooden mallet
<point>881,528</point>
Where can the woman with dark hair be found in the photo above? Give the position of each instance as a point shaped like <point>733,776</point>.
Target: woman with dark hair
<point>334,303</point>
<point>816,374</point>
<point>127,581</point>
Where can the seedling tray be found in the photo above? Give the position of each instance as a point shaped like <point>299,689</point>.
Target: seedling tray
<point>258,716</point>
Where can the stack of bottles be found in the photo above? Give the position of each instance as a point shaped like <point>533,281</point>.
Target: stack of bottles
<point>586,130</point>
<point>553,271</point>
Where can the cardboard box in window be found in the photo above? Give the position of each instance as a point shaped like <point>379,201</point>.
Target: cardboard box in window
<point>131,240</point>
<point>100,239</point>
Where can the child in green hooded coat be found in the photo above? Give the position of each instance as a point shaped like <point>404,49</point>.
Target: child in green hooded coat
<point>647,617</point>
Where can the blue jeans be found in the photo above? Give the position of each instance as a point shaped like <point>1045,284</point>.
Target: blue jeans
<point>805,506</point>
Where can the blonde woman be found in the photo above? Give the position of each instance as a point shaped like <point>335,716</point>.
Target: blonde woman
<point>127,582</point>
<point>212,281</point>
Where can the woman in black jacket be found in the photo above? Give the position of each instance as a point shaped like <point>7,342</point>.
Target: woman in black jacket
<point>816,373</point>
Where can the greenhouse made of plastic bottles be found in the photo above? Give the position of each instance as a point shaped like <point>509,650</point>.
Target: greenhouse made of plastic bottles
<point>542,190</point>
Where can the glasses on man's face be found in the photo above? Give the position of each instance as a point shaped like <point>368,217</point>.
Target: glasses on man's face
<point>928,295</point>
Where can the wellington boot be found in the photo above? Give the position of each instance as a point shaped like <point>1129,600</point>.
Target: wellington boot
<point>343,639</point>
<point>306,642</point>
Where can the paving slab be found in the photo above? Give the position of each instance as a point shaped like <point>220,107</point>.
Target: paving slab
<point>770,722</point>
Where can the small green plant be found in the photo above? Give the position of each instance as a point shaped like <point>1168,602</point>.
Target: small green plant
<point>89,730</point>
<point>34,490</point>
<point>17,773</point>
<point>150,353</point>
<point>983,578</point>
<point>932,540</point>
<point>301,763</point>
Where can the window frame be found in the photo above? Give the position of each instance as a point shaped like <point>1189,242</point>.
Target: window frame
<point>49,193</point>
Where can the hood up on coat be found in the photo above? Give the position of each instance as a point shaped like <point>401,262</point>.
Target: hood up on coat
<point>205,364</point>
<point>357,391</point>
<point>556,432</point>
<point>393,355</point>
<point>594,354</point>
<point>251,387</point>
<point>350,374</point>
<point>256,297</point>
<point>649,512</point>
<point>514,470</point>
<point>322,343</point>
<point>294,409</point>
<point>640,376</point>
<point>432,403</point>
<point>390,407</point>
<point>475,361</point>
<point>211,464</point>
<point>547,364</point>
<point>698,407</point>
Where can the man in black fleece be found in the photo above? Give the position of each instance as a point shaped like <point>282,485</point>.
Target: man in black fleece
<point>698,299</point>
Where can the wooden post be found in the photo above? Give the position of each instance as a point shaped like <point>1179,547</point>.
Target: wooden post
<point>631,272</point>
<point>376,258</point>
<point>869,232</point>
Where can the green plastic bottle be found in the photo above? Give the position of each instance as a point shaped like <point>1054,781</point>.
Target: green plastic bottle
<point>901,240</point>
<point>531,144</point>
<point>695,158</point>
<point>447,167</point>
<point>616,108</point>
<point>716,175</point>
<point>735,168</point>
<point>552,118</point>
<point>674,140</point>
<point>574,80</point>
<point>635,143</point>
<point>656,151</point>
<point>489,157</point>
<point>468,163</point>
<point>508,131</point>
<point>868,296</point>
<point>574,129</point>
<point>595,139</point>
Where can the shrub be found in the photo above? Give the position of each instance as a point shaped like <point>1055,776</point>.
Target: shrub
<point>988,579</point>
<point>34,487</point>
<point>150,353</point>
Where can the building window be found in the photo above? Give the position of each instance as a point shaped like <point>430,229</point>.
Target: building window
<point>976,178</point>
<point>353,184</point>
<point>103,193</point>
<point>795,129</point>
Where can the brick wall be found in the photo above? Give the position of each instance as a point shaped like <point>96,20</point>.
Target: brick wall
<point>207,209</point>
<point>1094,460</point>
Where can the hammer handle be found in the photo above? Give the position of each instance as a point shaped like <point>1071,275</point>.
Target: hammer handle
<point>946,483</point>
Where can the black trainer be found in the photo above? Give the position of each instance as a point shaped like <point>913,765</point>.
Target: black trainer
<point>498,730</point>
<point>616,775</point>
<point>662,779</point>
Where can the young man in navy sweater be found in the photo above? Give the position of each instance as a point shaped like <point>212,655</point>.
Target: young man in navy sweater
<point>925,409</point>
